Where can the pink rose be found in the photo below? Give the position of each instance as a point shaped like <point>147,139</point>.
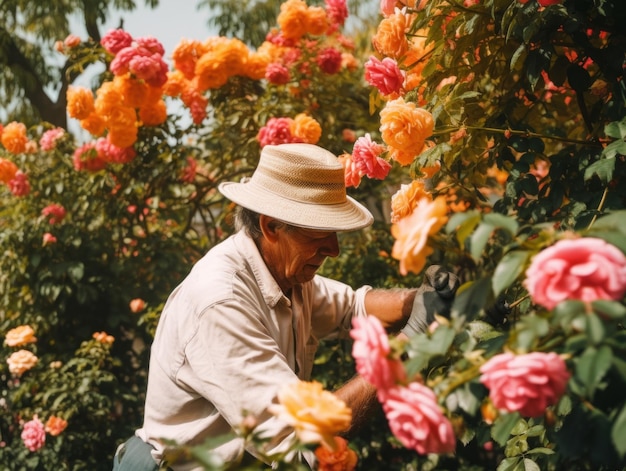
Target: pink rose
<point>276,131</point>
<point>587,269</point>
<point>19,185</point>
<point>329,60</point>
<point>417,421</point>
<point>33,434</point>
<point>277,74</point>
<point>352,176</point>
<point>371,352</point>
<point>151,44</point>
<point>48,239</point>
<point>116,40</point>
<point>49,138</point>
<point>111,153</point>
<point>384,75</point>
<point>86,157</point>
<point>525,383</point>
<point>54,212</point>
<point>366,157</point>
<point>387,7</point>
<point>337,11</point>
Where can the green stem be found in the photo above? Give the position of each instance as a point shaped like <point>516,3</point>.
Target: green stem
<point>463,378</point>
<point>447,129</point>
<point>600,206</point>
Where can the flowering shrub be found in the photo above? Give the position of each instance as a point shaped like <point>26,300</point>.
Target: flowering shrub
<point>518,194</point>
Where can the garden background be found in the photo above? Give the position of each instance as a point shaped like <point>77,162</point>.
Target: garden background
<point>479,132</point>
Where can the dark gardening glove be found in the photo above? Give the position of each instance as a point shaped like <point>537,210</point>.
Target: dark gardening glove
<point>434,296</point>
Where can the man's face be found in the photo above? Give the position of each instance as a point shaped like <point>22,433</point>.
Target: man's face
<point>299,253</point>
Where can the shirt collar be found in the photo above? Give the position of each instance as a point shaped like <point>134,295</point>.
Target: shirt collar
<point>270,290</point>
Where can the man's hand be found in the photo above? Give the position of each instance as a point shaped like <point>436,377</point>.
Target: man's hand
<point>434,296</point>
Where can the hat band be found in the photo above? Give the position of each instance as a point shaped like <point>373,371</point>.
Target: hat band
<point>293,187</point>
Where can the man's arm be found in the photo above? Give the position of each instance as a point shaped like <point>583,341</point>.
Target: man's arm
<point>392,306</point>
<point>360,396</point>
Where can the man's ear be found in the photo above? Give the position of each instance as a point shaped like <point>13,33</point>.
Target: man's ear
<point>269,227</point>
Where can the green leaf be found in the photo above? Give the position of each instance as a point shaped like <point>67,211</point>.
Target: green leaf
<point>509,464</point>
<point>530,465</point>
<point>501,221</point>
<point>470,300</point>
<point>591,367</point>
<point>616,129</point>
<point>479,239</point>
<point>603,169</point>
<point>508,269</point>
<point>618,432</point>
<point>502,427</point>
<point>594,327</point>
<point>463,224</point>
<point>613,149</point>
<point>541,451</point>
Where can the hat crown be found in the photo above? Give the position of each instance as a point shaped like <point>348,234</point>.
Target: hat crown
<point>301,172</point>
<point>303,185</point>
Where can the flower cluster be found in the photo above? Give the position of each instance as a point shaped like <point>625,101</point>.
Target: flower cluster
<point>302,128</point>
<point>411,408</point>
<point>22,360</point>
<point>14,138</point>
<point>132,99</point>
<point>34,431</point>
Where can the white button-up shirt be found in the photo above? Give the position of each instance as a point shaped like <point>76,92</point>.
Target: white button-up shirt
<point>228,339</point>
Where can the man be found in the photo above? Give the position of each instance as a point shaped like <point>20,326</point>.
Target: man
<point>249,316</point>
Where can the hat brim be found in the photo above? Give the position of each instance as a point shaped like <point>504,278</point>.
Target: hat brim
<point>347,216</point>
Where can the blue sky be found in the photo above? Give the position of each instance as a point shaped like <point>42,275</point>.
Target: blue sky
<point>170,22</point>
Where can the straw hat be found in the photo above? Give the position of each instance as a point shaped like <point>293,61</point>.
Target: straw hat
<point>300,184</point>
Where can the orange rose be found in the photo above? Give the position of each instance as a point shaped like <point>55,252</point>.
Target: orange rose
<point>186,55</point>
<point>104,338</point>
<point>153,114</point>
<point>7,170</point>
<point>412,233</point>
<point>108,98</point>
<point>123,136</point>
<point>257,65</point>
<point>80,102</point>
<point>390,37</point>
<point>94,124</point>
<point>137,305</point>
<point>21,361</point>
<point>176,83</point>
<point>133,91</point>
<point>292,19</point>
<point>404,128</point>
<point>342,458</point>
<point>306,128</point>
<point>316,21</point>
<point>20,336</point>
<point>14,137</point>
<point>406,198</point>
<point>210,73</point>
<point>55,425</point>
<point>315,414</point>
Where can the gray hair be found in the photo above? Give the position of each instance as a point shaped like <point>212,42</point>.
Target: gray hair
<point>248,221</point>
